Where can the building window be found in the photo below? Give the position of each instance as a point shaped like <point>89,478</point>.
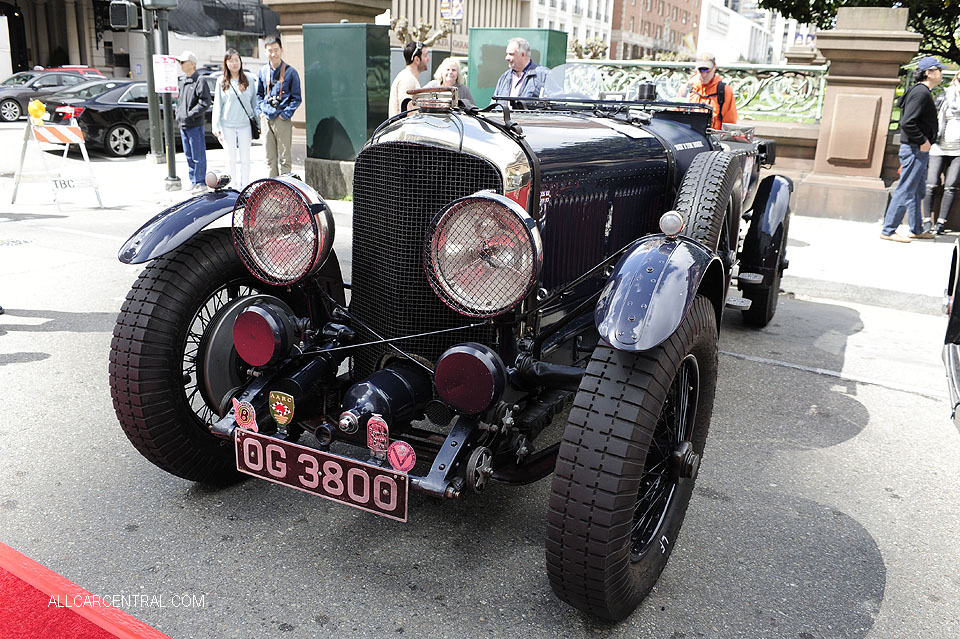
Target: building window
<point>631,23</point>
<point>574,33</point>
<point>648,5</point>
<point>659,32</point>
<point>587,36</point>
<point>246,44</point>
<point>661,7</point>
<point>561,26</point>
<point>539,23</point>
<point>550,25</point>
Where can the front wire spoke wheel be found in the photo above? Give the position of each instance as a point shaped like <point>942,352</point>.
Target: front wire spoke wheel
<point>627,465</point>
<point>167,374</point>
<point>660,476</point>
<point>193,342</point>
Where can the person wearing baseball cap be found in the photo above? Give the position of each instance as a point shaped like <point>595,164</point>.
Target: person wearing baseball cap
<point>193,100</point>
<point>707,87</point>
<point>918,131</point>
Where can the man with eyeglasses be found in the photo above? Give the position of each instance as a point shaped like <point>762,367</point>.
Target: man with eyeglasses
<point>417,58</point>
<point>707,87</point>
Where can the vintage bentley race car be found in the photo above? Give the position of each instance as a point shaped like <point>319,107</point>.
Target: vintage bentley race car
<point>506,263</point>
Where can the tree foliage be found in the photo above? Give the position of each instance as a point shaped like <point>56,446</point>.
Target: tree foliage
<point>938,21</point>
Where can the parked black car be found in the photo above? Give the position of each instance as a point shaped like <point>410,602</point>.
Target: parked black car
<point>951,341</point>
<point>118,120</point>
<point>65,104</point>
<point>17,90</point>
<point>505,263</point>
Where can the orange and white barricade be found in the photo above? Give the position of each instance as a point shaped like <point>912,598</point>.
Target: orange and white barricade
<point>57,134</point>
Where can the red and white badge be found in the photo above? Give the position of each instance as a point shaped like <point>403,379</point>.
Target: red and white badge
<point>401,456</point>
<point>378,434</point>
<point>244,415</point>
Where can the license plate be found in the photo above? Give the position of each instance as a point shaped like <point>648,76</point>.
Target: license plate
<point>365,486</point>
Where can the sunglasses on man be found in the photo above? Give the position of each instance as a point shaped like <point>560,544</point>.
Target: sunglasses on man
<point>704,69</point>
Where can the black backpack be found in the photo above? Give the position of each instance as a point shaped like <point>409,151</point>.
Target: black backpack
<point>720,95</point>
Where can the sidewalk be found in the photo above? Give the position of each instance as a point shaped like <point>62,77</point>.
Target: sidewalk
<point>828,258</point>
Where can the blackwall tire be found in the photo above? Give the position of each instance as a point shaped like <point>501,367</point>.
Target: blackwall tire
<point>10,110</point>
<point>601,557</point>
<point>120,141</point>
<point>153,374</point>
<point>763,304</point>
<point>708,190</point>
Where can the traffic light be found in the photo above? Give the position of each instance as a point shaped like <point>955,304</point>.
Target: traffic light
<point>123,14</point>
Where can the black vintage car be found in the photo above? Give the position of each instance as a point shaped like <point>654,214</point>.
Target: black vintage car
<point>507,264</point>
<point>951,341</point>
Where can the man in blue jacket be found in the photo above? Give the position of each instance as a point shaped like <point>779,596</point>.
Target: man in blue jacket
<point>278,93</point>
<point>524,78</point>
<point>193,100</point>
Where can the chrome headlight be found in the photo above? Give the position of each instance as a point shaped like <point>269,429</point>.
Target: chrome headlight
<point>483,255</point>
<point>282,230</point>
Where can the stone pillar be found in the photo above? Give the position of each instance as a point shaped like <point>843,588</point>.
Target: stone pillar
<point>73,40</point>
<point>865,52</point>
<point>42,51</point>
<point>799,55</point>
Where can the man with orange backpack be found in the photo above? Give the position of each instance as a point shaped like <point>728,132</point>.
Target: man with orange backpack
<point>707,87</point>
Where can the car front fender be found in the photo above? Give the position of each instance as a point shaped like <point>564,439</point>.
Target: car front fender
<point>652,289</point>
<point>768,226</point>
<point>175,225</point>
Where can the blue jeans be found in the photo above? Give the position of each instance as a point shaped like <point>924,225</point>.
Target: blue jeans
<point>908,197</point>
<point>195,148</point>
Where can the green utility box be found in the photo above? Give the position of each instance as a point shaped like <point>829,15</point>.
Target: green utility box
<point>488,47</point>
<point>347,83</point>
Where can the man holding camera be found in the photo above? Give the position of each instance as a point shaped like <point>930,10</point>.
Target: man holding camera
<point>278,93</point>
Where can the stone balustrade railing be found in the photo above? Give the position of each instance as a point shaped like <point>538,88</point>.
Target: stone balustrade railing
<point>792,93</point>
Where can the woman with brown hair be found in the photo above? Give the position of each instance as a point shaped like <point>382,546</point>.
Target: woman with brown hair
<point>233,111</point>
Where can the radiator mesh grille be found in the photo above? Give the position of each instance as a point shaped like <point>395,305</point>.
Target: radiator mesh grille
<point>398,189</point>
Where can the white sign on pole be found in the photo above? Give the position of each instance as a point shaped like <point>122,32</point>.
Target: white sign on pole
<point>451,10</point>
<point>165,69</point>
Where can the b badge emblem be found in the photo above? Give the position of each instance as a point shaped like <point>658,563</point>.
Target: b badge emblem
<point>281,407</point>
<point>244,415</point>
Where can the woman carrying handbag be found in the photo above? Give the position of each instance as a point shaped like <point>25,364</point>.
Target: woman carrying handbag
<point>234,122</point>
<point>944,159</point>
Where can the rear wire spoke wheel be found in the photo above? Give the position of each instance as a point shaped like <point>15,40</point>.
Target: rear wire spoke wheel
<point>156,379</point>
<point>626,467</point>
<point>708,198</point>
<point>764,299</point>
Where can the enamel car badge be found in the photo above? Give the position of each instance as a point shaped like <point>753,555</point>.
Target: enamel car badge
<point>244,415</point>
<point>401,456</point>
<point>281,407</point>
<point>378,435</point>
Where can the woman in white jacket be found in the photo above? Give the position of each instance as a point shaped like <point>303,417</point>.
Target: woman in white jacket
<point>233,106</point>
<point>944,159</point>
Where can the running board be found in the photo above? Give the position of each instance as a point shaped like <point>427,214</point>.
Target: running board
<point>738,303</point>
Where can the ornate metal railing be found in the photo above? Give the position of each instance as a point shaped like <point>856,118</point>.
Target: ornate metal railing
<point>787,93</point>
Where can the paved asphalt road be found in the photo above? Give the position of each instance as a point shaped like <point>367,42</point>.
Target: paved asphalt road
<point>826,505</point>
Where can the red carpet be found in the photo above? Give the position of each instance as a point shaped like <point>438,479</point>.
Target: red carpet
<point>37,603</point>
